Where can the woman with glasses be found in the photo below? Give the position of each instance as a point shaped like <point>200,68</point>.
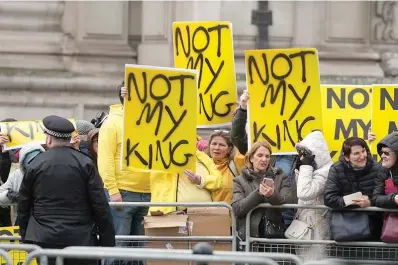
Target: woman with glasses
<point>386,190</point>
<point>227,160</point>
<point>311,174</point>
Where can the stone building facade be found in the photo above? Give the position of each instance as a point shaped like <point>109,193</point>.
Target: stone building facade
<point>67,58</point>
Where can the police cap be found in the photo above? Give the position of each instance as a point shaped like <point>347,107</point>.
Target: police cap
<point>58,127</point>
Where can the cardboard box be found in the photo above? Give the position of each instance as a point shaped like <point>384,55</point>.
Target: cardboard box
<point>172,225</point>
<point>209,221</point>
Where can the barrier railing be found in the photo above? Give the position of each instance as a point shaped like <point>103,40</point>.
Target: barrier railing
<point>133,238</point>
<point>381,251</point>
<point>4,254</point>
<point>98,253</point>
<point>20,251</point>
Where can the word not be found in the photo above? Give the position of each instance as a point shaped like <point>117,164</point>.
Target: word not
<point>343,98</point>
<point>159,102</point>
<point>203,49</point>
<point>282,86</point>
<point>385,96</point>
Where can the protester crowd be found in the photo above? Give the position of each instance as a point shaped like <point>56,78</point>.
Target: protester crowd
<point>226,171</point>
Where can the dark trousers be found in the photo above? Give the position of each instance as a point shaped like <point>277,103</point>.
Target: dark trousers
<point>51,261</point>
<point>5,218</point>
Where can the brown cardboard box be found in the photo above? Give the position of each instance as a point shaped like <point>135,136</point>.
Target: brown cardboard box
<point>211,221</point>
<point>203,221</point>
<point>172,225</point>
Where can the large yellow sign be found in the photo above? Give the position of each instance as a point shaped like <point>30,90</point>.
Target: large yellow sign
<point>346,113</point>
<point>208,47</point>
<point>159,119</point>
<point>284,90</point>
<point>384,111</point>
<point>17,256</point>
<point>23,132</point>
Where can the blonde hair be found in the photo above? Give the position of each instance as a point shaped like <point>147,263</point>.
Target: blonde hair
<point>253,150</point>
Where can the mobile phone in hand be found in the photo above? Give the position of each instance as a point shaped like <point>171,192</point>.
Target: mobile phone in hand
<point>268,182</point>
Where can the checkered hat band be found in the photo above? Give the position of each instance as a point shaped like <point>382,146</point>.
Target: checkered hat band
<point>57,134</point>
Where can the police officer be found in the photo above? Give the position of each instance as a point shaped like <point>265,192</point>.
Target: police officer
<point>62,200</point>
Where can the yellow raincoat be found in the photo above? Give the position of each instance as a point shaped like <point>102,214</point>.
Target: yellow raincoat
<point>166,186</point>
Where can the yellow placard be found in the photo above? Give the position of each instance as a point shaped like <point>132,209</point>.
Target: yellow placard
<point>24,132</point>
<point>285,99</point>
<point>346,113</point>
<point>17,256</point>
<point>159,119</point>
<point>208,47</point>
<point>384,112</point>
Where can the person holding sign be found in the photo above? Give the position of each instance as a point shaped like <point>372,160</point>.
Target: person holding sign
<point>187,186</point>
<point>260,183</point>
<point>61,200</point>
<point>120,185</point>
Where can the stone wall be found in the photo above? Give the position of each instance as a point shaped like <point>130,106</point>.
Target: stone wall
<point>67,58</point>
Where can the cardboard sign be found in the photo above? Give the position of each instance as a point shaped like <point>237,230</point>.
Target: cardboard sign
<point>208,48</point>
<point>346,113</point>
<point>18,256</point>
<point>284,90</point>
<point>24,132</point>
<point>159,119</point>
<point>384,112</point>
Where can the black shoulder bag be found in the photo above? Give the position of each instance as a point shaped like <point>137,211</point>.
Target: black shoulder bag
<point>350,226</point>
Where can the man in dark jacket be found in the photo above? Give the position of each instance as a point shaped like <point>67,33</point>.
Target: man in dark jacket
<point>62,200</point>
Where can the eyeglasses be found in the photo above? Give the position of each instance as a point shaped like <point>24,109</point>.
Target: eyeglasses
<point>222,131</point>
<point>386,153</point>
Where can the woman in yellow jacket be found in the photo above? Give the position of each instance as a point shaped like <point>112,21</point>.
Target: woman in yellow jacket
<point>185,187</point>
<point>228,161</point>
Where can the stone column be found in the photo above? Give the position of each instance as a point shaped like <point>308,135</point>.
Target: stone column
<point>31,34</point>
<point>97,37</point>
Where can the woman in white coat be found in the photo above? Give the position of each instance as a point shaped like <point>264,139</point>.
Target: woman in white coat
<point>311,175</point>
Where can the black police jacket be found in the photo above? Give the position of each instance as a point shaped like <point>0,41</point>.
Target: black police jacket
<point>62,201</point>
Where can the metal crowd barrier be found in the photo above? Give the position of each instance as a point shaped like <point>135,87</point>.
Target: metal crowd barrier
<point>142,239</point>
<point>21,249</point>
<point>380,252</point>
<point>98,253</point>
<point>4,254</point>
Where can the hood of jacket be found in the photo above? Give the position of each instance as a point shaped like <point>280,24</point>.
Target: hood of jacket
<point>28,153</point>
<point>316,144</point>
<point>116,110</point>
<point>390,141</point>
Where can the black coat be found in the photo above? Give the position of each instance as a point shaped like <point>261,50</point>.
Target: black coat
<point>381,199</point>
<point>344,180</point>
<point>62,201</point>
